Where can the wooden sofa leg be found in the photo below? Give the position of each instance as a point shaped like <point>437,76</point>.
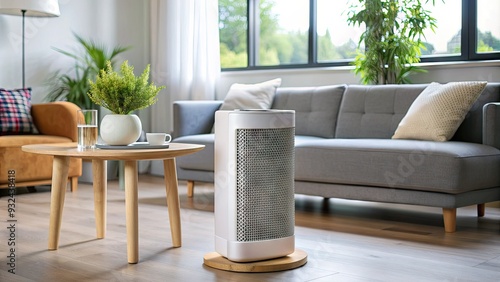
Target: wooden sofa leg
<point>73,183</point>
<point>450,219</point>
<point>190,188</point>
<point>480,210</point>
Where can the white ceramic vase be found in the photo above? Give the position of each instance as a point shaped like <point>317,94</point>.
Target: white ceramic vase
<point>120,129</point>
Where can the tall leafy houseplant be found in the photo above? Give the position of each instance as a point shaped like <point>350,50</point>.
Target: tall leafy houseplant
<point>90,59</point>
<point>122,93</point>
<point>392,39</point>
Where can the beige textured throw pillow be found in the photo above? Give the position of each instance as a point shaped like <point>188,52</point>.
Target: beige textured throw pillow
<point>439,110</point>
<point>251,96</point>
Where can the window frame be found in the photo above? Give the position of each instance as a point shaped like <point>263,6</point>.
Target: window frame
<point>468,41</point>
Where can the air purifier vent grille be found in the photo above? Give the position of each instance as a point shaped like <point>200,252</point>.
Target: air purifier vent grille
<point>264,184</point>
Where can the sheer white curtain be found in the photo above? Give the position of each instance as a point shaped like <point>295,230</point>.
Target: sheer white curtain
<point>185,54</point>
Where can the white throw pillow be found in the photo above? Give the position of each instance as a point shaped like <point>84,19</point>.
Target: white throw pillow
<point>251,96</point>
<point>439,110</point>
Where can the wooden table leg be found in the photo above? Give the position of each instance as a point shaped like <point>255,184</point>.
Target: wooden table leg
<point>60,169</point>
<point>100,194</point>
<point>173,206</point>
<point>131,206</point>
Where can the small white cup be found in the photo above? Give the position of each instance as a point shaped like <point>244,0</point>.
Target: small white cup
<point>158,138</point>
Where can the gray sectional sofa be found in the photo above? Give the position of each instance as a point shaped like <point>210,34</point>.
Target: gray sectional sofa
<point>343,147</point>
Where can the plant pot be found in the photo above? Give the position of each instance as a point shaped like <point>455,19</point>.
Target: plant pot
<point>120,129</point>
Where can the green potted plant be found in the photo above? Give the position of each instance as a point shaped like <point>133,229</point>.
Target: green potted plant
<point>90,58</point>
<point>393,38</point>
<point>122,93</point>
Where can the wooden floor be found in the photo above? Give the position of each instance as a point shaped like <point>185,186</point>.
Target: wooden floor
<point>344,240</point>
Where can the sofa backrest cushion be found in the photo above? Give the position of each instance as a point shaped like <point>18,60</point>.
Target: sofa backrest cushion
<point>439,110</point>
<point>316,108</point>
<point>471,129</point>
<point>374,111</point>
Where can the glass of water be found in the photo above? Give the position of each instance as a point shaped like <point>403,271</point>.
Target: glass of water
<point>87,129</point>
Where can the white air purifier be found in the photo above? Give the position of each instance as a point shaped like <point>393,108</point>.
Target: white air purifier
<point>254,184</point>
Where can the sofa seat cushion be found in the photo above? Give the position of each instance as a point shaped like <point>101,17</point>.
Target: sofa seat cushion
<point>304,139</point>
<point>202,160</point>
<point>448,167</point>
<point>13,158</point>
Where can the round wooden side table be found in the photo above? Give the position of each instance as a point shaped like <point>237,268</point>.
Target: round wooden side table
<point>62,153</point>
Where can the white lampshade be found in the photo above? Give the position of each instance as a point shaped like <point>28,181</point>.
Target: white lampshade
<point>33,8</point>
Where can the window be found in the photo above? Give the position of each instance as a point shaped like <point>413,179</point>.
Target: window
<point>446,39</point>
<point>467,30</point>
<point>488,26</point>
<point>259,34</point>
<point>282,33</point>
<point>336,40</point>
<point>233,33</point>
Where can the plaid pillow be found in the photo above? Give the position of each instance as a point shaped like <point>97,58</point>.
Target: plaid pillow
<point>15,116</point>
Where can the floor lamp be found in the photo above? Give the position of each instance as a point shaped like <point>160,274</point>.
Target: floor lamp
<point>29,8</point>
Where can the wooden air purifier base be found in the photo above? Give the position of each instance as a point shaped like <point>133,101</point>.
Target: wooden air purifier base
<point>291,261</point>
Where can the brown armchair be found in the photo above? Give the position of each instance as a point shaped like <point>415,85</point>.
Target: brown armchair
<point>56,123</point>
